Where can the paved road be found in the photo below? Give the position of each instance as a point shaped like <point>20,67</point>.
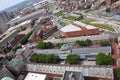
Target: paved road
<point>82,51</point>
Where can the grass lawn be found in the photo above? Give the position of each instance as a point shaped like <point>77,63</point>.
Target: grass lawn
<point>104,27</point>
<point>53,5</point>
<point>71,17</point>
<point>87,21</point>
<point>59,14</point>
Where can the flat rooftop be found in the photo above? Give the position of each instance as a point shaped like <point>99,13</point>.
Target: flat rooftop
<point>70,28</point>
<point>35,76</point>
<point>76,26</point>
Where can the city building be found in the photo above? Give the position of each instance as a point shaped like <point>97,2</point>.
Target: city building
<point>110,2</point>
<point>35,76</point>
<point>7,38</point>
<point>32,15</point>
<point>4,18</point>
<point>116,5</point>
<point>4,72</point>
<point>16,65</point>
<point>73,75</point>
<point>101,72</point>
<point>23,53</point>
<point>78,29</point>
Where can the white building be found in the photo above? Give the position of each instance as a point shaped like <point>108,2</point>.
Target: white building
<point>35,76</point>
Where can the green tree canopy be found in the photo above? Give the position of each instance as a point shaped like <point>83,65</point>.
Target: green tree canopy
<point>45,58</point>
<point>103,59</point>
<point>116,40</point>
<point>104,43</point>
<point>44,45</point>
<point>32,22</point>
<point>25,38</point>
<point>59,44</point>
<point>73,59</point>
<point>87,42</point>
<point>118,73</point>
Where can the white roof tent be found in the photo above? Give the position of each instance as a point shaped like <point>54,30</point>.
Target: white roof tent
<point>35,76</point>
<point>76,26</point>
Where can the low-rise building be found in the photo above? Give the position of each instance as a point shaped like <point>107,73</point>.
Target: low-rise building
<point>35,76</point>
<point>73,75</point>
<point>16,65</point>
<point>78,29</point>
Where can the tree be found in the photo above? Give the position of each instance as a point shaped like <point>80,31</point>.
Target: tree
<point>44,45</point>
<point>107,10</point>
<point>59,44</point>
<point>32,23</point>
<point>48,45</point>
<point>103,59</point>
<point>26,37</point>
<point>73,59</point>
<point>118,73</point>
<point>87,42</point>
<point>41,45</point>
<point>80,18</point>
<point>45,58</point>
<point>116,40</point>
<point>104,43</point>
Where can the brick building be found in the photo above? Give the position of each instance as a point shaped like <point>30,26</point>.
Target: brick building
<point>109,2</point>
<point>78,29</point>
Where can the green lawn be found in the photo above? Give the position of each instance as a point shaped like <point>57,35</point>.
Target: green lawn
<point>87,21</point>
<point>59,14</point>
<point>71,17</point>
<point>104,27</point>
<point>53,5</point>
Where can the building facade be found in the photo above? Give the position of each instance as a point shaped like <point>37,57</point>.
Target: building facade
<point>4,18</point>
<point>5,72</point>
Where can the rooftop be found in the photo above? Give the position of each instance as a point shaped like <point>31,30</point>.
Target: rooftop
<point>70,28</point>
<point>10,33</point>
<point>14,62</point>
<point>73,75</point>
<point>35,76</point>
<point>76,26</point>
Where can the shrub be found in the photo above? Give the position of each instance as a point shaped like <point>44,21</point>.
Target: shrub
<point>103,59</point>
<point>73,59</point>
<point>104,43</point>
<point>44,45</point>
<point>26,37</point>
<point>44,58</point>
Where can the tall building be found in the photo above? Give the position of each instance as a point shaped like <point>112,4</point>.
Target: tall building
<point>5,72</point>
<point>4,18</point>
